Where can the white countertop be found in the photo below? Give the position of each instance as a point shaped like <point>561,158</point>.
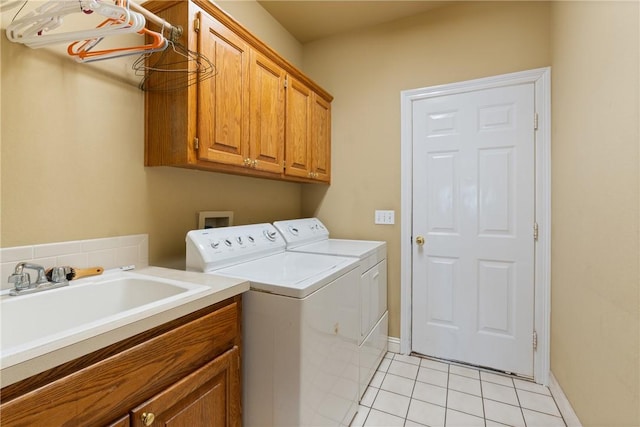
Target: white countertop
<point>220,288</point>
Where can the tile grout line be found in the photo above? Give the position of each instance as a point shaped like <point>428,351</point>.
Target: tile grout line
<point>376,396</point>
<point>446,401</point>
<point>524,420</point>
<point>484,414</point>
<point>415,381</point>
<point>557,407</point>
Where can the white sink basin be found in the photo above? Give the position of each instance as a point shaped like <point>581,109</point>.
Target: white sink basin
<point>51,319</point>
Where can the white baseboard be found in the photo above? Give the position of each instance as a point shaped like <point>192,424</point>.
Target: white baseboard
<point>394,345</point>
<point>565,407</point>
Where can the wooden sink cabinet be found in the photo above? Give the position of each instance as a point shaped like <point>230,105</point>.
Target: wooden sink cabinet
<point>258,115</point>
<point>185,372</point>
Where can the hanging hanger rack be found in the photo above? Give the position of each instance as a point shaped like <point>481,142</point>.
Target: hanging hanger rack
<point>175,32</point>
<point>30,28</point>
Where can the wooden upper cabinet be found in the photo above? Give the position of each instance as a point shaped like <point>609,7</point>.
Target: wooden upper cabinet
<point>321,139</point>
<point>308,134</point>
<point>223,100</point>
<point>298,133</point>
<point>258,115</point>
<point>266,135</point>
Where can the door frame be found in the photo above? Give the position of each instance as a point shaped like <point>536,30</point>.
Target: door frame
<point>541,78</point>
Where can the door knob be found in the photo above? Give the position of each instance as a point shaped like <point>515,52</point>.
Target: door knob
<point>420,240</point>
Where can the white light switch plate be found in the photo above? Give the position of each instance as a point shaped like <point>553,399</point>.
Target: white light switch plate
<point>385,217</point>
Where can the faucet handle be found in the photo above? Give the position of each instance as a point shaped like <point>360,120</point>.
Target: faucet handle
<point>58,275</point>
<point>20,280</point>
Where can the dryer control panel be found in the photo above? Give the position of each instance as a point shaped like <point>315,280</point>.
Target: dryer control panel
<point>215,248</point>
<point>303,231</point>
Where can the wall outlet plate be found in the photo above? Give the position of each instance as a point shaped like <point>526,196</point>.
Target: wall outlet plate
<point>385,217</point>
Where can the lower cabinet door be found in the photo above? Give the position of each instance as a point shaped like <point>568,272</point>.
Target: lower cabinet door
<point>209,396</point>
<point>121,422</point>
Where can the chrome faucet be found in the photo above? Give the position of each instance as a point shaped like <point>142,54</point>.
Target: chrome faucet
<point>22,280</point>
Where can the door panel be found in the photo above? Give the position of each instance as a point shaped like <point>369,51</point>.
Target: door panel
<point>298,130</point>
<point>267,114</point>
<point>204,398</point>
<point>321,139</point>
<point>473,201</point>
<point>223,100</point>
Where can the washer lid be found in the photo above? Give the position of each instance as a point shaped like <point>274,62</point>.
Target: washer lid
<point>292,274</point>
<point>349,248</point>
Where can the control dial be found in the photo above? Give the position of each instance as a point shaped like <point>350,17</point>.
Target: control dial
<point>293,230</point>
<point>270,235</point>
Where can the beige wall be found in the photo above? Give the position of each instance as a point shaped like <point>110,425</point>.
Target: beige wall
<point>595,328</point>
<point>366,71</point>
<point>73,154</point>
<point>593,49</point>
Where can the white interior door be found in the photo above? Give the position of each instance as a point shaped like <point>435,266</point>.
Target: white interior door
<point>473,203</point>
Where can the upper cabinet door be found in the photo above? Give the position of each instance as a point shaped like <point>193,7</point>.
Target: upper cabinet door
<point>266,137</point>
<point>223,100</point>
<point>298,130</point>
<point>321,139</point>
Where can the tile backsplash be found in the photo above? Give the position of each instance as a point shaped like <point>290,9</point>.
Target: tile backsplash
<point>111,252</point>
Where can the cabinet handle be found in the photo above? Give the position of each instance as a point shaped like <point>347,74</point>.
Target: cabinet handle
<point>148,418</point>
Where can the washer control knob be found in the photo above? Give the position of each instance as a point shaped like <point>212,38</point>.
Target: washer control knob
<point>215,245</point>
<point>270,235</point>
<point>227,242</point>
<point>251,239</point>
<point>239,239</point>
<point>293,230</point>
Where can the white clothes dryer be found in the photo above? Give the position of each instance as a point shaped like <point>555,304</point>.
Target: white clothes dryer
<point>300,325</point>
<point>309,235</point>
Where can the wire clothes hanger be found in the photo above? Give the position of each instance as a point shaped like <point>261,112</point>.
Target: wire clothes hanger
<point>173,69</point>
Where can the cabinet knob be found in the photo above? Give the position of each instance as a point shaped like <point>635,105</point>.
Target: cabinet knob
<point>254,164</point>
<point>148,418</point>
<point>247,162</point>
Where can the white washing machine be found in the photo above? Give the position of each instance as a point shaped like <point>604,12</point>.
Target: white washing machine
<point>300,325</point>
<point>309,235</point>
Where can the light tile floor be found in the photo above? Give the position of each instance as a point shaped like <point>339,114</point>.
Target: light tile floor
<point>409,391</point>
